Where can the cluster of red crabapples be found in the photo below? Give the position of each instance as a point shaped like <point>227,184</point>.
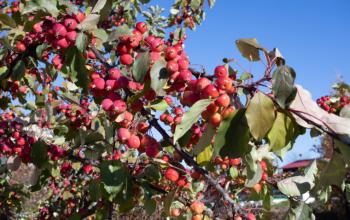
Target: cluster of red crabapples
<point>77,117</point>
<point>60,34</point>
<point>13,139</point>
<point>333,106</point>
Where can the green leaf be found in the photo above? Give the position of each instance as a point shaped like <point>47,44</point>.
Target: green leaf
<point>38,153</point>
<point>141,66</point>
<point>108,131</point>
<point>190,117</point>
<point>120,31</point>
<point>333,173</point>
<point>159,76</point>
<point>298,185</point>
<point>282,131</point>
<point>7,20</point>
<point>185,139</point>
<point>3,71</point>
<point>106,10</point>
<point>195,4</point>
<point>113,176</point>
<point>66,195</point>
<point>204,157</point>
<point>98,6</point>
<point>245,76</point>
<point>299,211</point>
<point>101,34</point>
<point>153,172</point>
<point>283,85</point>
<point>168,201</point>
<point>205,140</point>
<point>254,171</point>
<point>159,105</point>
<point>81,41</point>
<point>48,6</point>
<point>89,23</point>
<point>260,115</point>
<point>311,171</point>
<point>94,190</point>
<point>249,48</point>
<point>18,70</point>
<point>295,186</point>
<point>233,172</point>
<point>233,136</point>
<point>150,206</point>
<point>78,72</point>
<point>69,6</point>
<point>40,49</point>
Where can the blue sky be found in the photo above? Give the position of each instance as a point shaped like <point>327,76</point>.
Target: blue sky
<point>313,36</point>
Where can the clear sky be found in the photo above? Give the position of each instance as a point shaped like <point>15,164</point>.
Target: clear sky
<point>313,36</point>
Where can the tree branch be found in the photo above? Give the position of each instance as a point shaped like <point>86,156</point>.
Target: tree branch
<point>189,160</point>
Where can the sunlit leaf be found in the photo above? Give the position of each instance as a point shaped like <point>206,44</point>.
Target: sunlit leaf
<point>190,117</point>
<point>260,115</point>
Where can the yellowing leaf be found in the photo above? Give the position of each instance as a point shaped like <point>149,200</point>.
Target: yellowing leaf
<point>205,156</point>
<point>249,48</point>
<point>260,115</point>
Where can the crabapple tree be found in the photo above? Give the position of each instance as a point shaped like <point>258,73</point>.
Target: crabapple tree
<point>100,97</point>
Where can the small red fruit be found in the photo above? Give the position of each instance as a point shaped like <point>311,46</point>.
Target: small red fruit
<point>59,30</point>
<point>197,207</point>
<point>202,83</point>
<point>250,216</point>
<point>141,26</point>
<point>223,100</point>
<point>235,161</point>
<point>119,106</point>
<point>264,176</point>
<point>20,47</point>
<point>170,53</point>
<point>197,217</point>
<point>210,92</point>
<point>172,66</point>
<point>220,71</point>
<point>126,59</point>
<point>257,187</point>
<point>123,134</point>
<point>62,43</point>
<point>263,165</point>
<point>72,36</point>
<point>114,73</point>
<point>133,142</point>
<point>152,150</point>
<point>171,174</point>
<point>185,75</point>
<point>215,119</point>
<point>88,168</point>
<point>80,16</point>
<point>237,217</point>
<point>107,104</point>
<point>175,212</point>
<point>70,23</point>
<point>98,84</point>
<point>227,112</point>
<point>183,64</point>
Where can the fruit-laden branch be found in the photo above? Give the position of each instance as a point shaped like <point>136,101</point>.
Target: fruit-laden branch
<point>189,160</point>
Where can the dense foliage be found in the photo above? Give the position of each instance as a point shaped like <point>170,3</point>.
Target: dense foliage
<point>100,96</point>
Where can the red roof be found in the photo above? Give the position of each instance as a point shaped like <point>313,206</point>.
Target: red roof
<point>298,164</point>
